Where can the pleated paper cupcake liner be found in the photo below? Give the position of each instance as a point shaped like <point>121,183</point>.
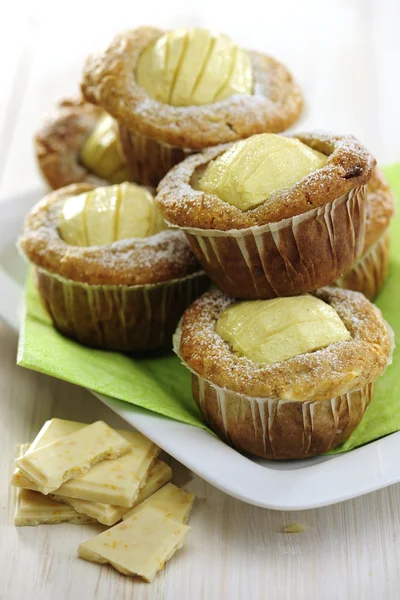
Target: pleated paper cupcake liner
<point>122,318</point>
<point>370,272</point>
<point>280,429</point>
<point>273,428</point>
<point>148,159</point>
<point>293,256</point>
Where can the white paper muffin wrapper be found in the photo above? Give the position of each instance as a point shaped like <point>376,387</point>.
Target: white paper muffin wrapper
<point>293,256</point>
<point>122,318</point>
<point>149,159</point>
<point>280,429</point>
<point>370,272</point>
<point>273,428</point>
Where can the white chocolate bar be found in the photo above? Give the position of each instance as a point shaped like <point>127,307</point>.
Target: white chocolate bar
<point>72,456</point>
<point>109,514</point>
<point>159,475</point>
<point>170,500</point>
<point>138,546</point>
<point>32,508</point>
<point>117,482</point>
<point>51,430</point>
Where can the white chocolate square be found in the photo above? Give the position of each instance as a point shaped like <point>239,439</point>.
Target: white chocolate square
<point>159,475</point>
<point>32,508</point>
<point>170,500</point>
<point>109,514</point>
<point>117,482</point>
<point>72,456</point>
<point>52,430</point>
<point>139,546</point>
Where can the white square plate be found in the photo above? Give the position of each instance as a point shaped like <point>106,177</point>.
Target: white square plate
<point>289,485</point>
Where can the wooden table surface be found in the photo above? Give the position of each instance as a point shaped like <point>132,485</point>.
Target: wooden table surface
<point>346,55</point>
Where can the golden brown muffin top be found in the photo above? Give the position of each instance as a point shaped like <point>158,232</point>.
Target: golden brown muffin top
<point>334,370</point>
<point>349,166</point>
<point>136,261</point>
<point>59,140</point>
<point>109,81</point>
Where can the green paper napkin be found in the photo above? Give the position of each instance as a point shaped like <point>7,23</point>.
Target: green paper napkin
<point>383,414</point>
<point>162,384</point>
<point>159,384</point>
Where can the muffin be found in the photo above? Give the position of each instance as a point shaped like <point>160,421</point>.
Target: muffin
<point>108,271</point>
<point>79,142</point>
<point>176,92</point>
<point>272,215</point>
<point>369,274</point>
<point>284,378</point>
